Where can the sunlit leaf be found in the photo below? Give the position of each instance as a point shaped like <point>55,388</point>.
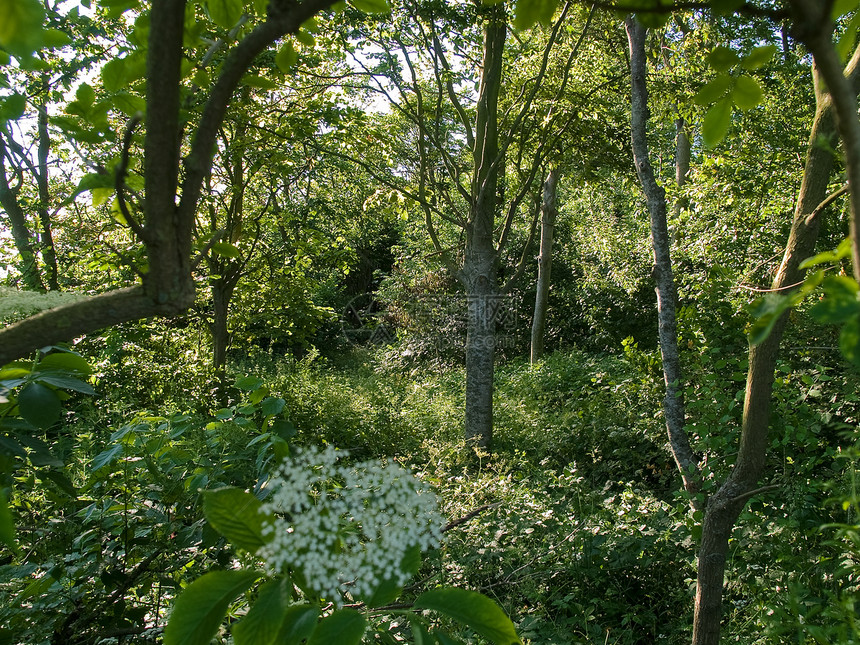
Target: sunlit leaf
<point>371,6</point>
<point>758,56</point>
<point>264,620</point>
<point>225,13</point>
<point>21,31</point>
<point>7,523</point>
<point>716,123</point>
<point>714,90</point>
<point>746,93</point>
<point>479,613</point>
<point>722,58</point>
<point>236,515</point>
<point>849,340</point>
<point>202,605</point>
<point>286,57</point>
<point>226,249</point>
<point>529,12</point>
<point>841,7</point>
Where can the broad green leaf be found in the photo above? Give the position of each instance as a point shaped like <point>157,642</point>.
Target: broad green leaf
<point>714,90</point>
<point>840,303</point>
<point>272,405</point>
<point>21,31</point>
<point>286,57</point>
<point>262,624</point>
<point>65,361</point>
<point>343,627</point>
<point>371,6</point>
<point>722,58</point>
<point>64,483</point>
<point>849,340</point>
<point>114,76</point>
<point>54,38</point>
<point>39,405</point>
<point>722,7</point>
<point>846,41</point>
<point>446,639</point>
<point>65,382</point>
<point>260,82</point>
<point>226,249</point>
<point>840,253</point>
<point>13,106</point>
<point>747,92</point>
<point>716,123</point>
<point>841,7</point>
<point>248,383</point>
<point>7,523</point>
<point>305,38</point>
<point>201,78</point>
<point>202,605</point>
<point>106,456</point>
<point>758,56</point>
<point>128,104</point>
<point>102,196</point>
<point>473,609</point>
<point>40,453</point>
<point>225,13</point>
<point>236,515</point>
<point>85,95</point>
<point>529,12</point>
<point>388,590</point>
<point>258,395</point>
<point>298,624</point>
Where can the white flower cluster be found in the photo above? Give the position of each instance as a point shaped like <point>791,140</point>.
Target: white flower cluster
<point>16,304</point>
<point>347,527</point>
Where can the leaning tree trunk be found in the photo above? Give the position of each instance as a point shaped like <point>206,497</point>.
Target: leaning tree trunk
<point>479,273</point>
<point>549,212</point>
<point>28,265</point>
<point>673,403</point>
<point>724,507</point>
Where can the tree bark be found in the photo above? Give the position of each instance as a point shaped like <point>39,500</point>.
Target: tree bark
<point>667,295</point>
<point>49,252</point>
<point>682,160</point>
<point>479,273</point>
<point>549,213</point>
<point>724,507</point>
<point>28,264</point>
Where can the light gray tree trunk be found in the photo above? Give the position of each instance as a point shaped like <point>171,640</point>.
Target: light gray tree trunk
<point>480,266</point>
<point>549,213</point>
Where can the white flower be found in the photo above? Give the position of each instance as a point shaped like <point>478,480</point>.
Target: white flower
<point>347,527</point>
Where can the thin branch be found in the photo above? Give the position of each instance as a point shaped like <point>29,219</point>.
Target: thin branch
<point>119,181</point>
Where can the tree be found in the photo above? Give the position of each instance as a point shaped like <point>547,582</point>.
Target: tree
<point>167,225</point>
<point>549,213</point>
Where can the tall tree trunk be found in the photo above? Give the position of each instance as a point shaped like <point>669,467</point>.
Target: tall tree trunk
<point>682,160</point>
<point>480,266</point>
<point>724,507</point>
<point>49,253</point>
<point>667,295</point>
<point>28,264</point>
<point>549,212</point>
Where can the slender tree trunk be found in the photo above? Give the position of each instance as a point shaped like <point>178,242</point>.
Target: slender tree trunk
<point>479,273</point>
<point>49,253</point>
<point>673,403</point>
<point>28,265</point>
<point>682,160</point>
<point>549,212</point>
<point>221,295</point>
<point>724,507</point>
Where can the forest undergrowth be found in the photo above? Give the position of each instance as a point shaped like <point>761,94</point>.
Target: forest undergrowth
<point>575,524</point>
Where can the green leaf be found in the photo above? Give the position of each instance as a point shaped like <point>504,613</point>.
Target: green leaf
<point>54,38</point>
<point>840,302</point>
<point>714,90</point>
<point>7,523</point>
<point>262,624</point>
<point>839,253</point>
<point>106,457</point>
<point>305,38</point>
<point>225,13</point>
<point>85,95</point>
<point>286,57</point>
<point>260,82</point>
<point>114,76</point>
<point>128,104</point>
<point>226,249</point>
<point>758,56</point>
<point>65,382</point>
<point>65,361</point>
<point>39,405</point>
<point>236,515</point>
<point>747,92</point>
<point>272,405</point>
<point>21,31</point>
<point>388,590</point>
<point>846,41</point>
<point>13,107</point>
<point>202,605</point>
<point>248,383</point>
<point>64,483</point>
<point>371,6</point>
<point>343,627</point>
<point>841,7</point>
<point>529,12</point>
<point>717,122</point>
<point>473,609</point>
<point>723,58</point>
<point>722,7</point>
<point>298,624</point>
<point>849,340</point>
